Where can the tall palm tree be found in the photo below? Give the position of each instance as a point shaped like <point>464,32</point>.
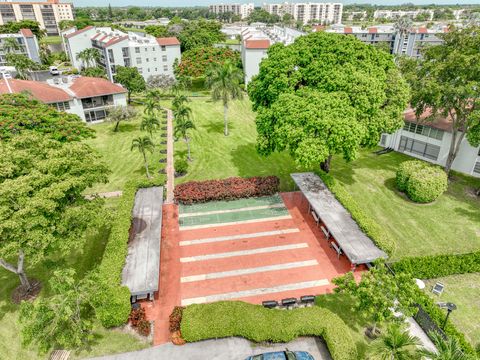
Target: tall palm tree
<point>184,123</point>
<point>182,111</point>
<point>403,26</point>
<point>10,45</point>
<point>150,124</point>
<point>90,57</point>
<point>448,349</point>
<point>143,144</point>
<point>224,81</point>
<point>395,344</point>
<point>152,101</point>
<point>179,100</point>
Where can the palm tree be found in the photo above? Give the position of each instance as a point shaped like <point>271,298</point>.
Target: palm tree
<point>143,144</point>
<point>224,81</point>
<point>403,26</point>
<point>149,124</point>
<point>90,57</point>
<point>395,344</point>
<point>10,45</point>
<point>152,102</point>
<point>447,349</point>
<point>179,100</point>
<point>184,123</point>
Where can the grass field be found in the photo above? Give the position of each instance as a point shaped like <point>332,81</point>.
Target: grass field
<point>449,225</point>
<point>216,156</point>
<point>105,341</point>
<point>115,149</point>
<point>51,40</point>
<point>463,291</point>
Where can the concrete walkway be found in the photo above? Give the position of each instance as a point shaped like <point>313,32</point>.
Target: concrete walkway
<point>170,162</point>
<point>223,349</point>
<point>106,195</point>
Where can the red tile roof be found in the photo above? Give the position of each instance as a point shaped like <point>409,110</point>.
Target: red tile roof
<point>423,30</point>
<point>318,28</point>
<point>257,44</point>
<point>84,87</point>
<point>27,33</point>
<point>39,90</point>
<point>439,122</point>
<point>115,41</point>
<point>168,41</point>
<point>372,30</point>
<point>348,30</point>
<point>75,33</point>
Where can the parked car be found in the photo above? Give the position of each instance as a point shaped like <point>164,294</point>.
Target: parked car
<point>54,70</point>
<point>283,355</point>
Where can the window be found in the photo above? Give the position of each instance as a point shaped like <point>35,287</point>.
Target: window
<point>139,60</point>
<point>147,59</point>
<point>137,50</point>
<point>154,59</point>
<point>424,130</point>
<point>476,169</point>
<point>156,69</point>
<point>95,115</point>
<point>154,49</point>
<point>62,106</point>
<point>165,68</point>
<point>164,48</point>
<point>383,140</point>
<point>164,58</point>
<point>148,69</point>
<point>420,148</point>
<point>140,70</point>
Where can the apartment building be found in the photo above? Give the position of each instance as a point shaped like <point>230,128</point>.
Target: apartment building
<point>27,45</point>
<point>242,10</point>
<point>430,141</point>
<point>323,13</point>
<point>397,14</point>
<point>150,55</point>
<point>89,98</point>
<point>48,13</point>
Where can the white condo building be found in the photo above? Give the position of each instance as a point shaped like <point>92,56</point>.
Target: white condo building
<point>323,13</point>
<point>397,14</point>
<point>242,10</point>
<point>27,45</point>
<point>48,13</point>
<point>150,55</point>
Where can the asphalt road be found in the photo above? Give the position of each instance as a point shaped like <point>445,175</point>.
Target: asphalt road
<point>222,349</point>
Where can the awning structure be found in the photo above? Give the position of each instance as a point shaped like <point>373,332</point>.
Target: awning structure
<point>357,246</point>
<point>142,266</point>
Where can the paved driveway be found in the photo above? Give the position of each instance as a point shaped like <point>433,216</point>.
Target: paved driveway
<point>222,349</point>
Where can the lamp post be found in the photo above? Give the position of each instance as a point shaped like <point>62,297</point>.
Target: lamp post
<point>450,307</point>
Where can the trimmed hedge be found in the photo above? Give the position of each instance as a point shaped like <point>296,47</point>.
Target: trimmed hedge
<point>226,189</point>
<point>256,323</point>
<point>421,182</point>
<point>368,225</point>
<point>112,303</point>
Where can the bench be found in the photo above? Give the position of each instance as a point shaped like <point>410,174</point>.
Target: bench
<point>336,248</point>
<point>270,304</point>
<point>325,232</point>
<point>315,216</point>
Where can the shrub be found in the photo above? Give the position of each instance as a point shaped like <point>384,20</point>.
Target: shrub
<point>256,323</point>
<point>112,303</point>
<point>136,315</point>
<point>226,189</point>
<point>368,225</point>
<point>196,62</point>
<point>176,318</point>
<point>181,166</point>
<point>144,328</point>
<point>422,182</point>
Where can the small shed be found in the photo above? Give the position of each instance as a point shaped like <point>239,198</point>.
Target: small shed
<point>142,266</point>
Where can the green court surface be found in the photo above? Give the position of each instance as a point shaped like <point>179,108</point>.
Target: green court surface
<point>230,205</point>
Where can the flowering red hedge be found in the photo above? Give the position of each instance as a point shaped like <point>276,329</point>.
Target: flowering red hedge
<point>226,189</point>
<point>197,61</point>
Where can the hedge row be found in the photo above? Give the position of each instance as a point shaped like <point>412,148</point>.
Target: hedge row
<point>368,225</point>
<point>430,267</point>
<point>226,189</point>
<point>112,303</point>
<point>256,323</point>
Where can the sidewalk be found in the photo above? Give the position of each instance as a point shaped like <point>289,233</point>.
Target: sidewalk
<point>170,162</point>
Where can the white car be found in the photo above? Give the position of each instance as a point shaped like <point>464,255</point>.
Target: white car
<point>54,70</point>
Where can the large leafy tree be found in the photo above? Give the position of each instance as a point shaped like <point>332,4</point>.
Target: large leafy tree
<point>224,82</point>
<point>356,84</point>
<point>200,33</point>
<point>446,82</point>
<point>42,207</point>
<point>121,113</point>
<point>15,26</point>
<point>131,79</point>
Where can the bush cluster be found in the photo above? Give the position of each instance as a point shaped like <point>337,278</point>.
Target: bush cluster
<point>112,303</point>
<point>181,166</point>
<point>175,318</point>
<point>256,323</point>
<point>430,267</point>
<point>226,189</point>
<point>421,182</point>
<point>368,225</point>
<point>196,62</point>
<point>139,321</point>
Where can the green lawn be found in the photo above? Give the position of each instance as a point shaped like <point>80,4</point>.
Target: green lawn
<point>464,291</point>
<point>449,225</point>
<point>115,149</point>
<point>216,156</point>
<point>105,341</point>
<point>51,40</point>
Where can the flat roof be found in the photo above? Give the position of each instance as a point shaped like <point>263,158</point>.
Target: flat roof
<point>142,266</point>
<point>357,246</point>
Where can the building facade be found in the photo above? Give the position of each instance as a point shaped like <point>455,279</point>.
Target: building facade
<point>323,13</point>
<point>430,141</point>
<point>397,14</point>
<point>242,10</point>
<point>151,56</point>
<point>27,45</point>
<point>48,13</point>
<point>89,98</point>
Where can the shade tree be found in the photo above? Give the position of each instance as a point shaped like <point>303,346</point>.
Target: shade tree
<point>131,79</point>
<point>120,113</point>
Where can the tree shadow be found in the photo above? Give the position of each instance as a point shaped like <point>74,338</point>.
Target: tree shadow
<point>124,127</point>
<point>473,214</point>
<point>217,127</point>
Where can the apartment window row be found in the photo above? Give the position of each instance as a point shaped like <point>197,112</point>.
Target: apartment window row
<point>95,115</point>
<point>476,169</point>
<point>140,70</point>
<point>62,106</point>
<point>424,130</point>
<point>420,148</point>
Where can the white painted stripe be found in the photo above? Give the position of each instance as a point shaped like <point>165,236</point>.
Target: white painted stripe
<point>243,252</point>
<point>194,227</point>
<point>255,270</point>
<point>238,237</point>
<point>213,212</point>
<point>254,292</point>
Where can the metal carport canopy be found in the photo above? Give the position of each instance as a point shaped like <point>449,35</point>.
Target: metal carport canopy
<point>357,246</point>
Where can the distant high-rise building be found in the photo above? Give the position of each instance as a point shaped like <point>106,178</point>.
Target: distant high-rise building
<point>242,10</point>
<point>47,13</point>
<point>323,13</point>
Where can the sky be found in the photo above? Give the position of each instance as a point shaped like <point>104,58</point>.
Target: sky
<point>257,3</point>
